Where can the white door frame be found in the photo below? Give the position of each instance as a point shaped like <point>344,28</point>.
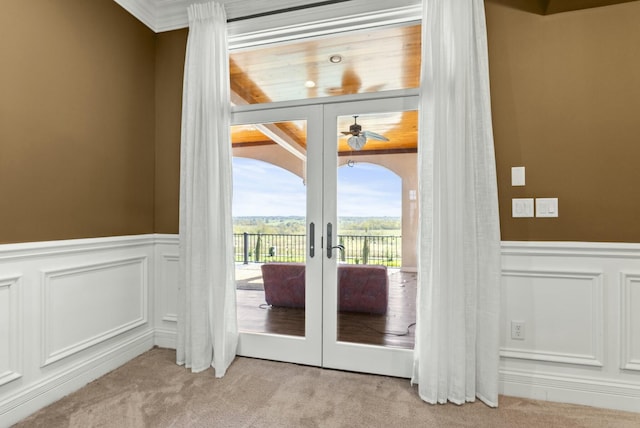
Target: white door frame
<point>308,348</point>
<point>345,355</point>
<point>319,346</point>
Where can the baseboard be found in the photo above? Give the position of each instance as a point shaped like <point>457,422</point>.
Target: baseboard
<point>571,389</point>
<point>164,338</point>
<point>50,389</point>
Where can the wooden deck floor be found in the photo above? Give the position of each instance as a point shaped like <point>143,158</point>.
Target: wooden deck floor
<point>393,329</point>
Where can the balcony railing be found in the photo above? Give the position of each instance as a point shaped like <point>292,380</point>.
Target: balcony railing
<point>359,249</point>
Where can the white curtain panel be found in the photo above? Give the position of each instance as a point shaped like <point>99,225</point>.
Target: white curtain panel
<point>207,324</point>
<point>457,341</point>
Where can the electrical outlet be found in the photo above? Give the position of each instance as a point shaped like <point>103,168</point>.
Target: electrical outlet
<point>517,330</point>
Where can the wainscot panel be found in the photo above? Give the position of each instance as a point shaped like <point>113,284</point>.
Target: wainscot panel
<point>166,297</point>
<point>539,301</point>
<point>630,320</point>
<point>10,329</point>
<point>111,297</point>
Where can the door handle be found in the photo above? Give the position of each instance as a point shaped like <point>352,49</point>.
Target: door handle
<point>312,239</point>
<point>330,245</point>
<point>339,247</point>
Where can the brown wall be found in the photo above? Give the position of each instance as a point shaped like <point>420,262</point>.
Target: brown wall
<point>565,94</point>
<point>171,47</point>
<point>76,121</point>
<point>566,105</point>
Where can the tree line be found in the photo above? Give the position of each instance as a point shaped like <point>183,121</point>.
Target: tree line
<point>297,225</point>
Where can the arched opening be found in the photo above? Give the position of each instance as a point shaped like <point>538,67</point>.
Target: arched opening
<point>269,213</point>
<point>368,190</point>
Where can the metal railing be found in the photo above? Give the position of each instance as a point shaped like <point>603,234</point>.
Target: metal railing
<point>359,249</point>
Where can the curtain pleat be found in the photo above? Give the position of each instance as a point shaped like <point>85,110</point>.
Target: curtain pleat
<point>457,343</point>
<point>207,324</point>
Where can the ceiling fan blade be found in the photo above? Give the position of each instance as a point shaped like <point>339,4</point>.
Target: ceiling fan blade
<point>334,91</point>
<point>346,133</point>
<point>375,136</point>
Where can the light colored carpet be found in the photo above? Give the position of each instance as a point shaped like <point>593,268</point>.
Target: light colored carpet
<point>152,391</point>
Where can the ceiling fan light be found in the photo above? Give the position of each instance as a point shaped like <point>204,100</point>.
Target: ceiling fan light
<point>357,142</point>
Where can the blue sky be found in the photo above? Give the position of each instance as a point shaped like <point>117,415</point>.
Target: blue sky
<point>261,189</point>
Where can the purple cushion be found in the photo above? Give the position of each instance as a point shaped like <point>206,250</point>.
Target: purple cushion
<point>284,284</point>
<point>362,288</point>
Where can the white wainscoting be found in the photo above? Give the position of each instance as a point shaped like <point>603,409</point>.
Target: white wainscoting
<point>70,311</point>
<point>580,304</point>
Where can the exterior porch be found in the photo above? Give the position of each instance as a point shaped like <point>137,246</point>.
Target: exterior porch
<point>394,329</point>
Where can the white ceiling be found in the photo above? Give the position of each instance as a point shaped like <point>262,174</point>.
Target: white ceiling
<point>165,15</point>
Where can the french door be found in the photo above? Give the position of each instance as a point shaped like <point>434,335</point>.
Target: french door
<point>324,294</point>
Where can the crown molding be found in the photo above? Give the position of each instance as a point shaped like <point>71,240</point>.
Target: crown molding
<point>143,10</point>
<point>351,16</point>
<point>171,15</point>
<point>167,15</point>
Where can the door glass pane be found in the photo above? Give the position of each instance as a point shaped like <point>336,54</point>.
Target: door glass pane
<point>377,225</point>
<point>380,59</point>
<point>269,225</point>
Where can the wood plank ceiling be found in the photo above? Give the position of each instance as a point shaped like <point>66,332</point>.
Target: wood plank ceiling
<point>371,61</point>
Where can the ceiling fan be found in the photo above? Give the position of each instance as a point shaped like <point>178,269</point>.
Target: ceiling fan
<point>358,137</point>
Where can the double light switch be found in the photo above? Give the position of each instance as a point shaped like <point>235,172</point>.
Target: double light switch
<point>545,207</point>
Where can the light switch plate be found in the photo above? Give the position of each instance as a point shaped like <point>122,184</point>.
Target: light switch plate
<point>517,176</point>
<point>522,207</point>
<point>546,207</point>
